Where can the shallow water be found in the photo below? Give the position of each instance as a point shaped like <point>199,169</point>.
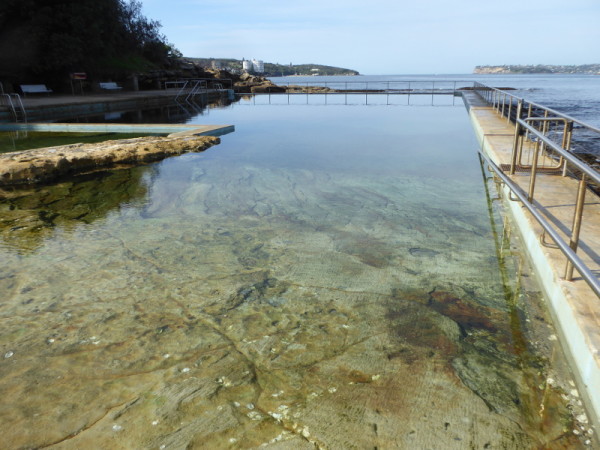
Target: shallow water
<point>328,276</point>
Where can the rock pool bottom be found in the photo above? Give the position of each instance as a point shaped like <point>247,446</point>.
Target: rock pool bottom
<point>281,294</point>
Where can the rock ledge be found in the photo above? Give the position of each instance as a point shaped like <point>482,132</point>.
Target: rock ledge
<point>46,164</point>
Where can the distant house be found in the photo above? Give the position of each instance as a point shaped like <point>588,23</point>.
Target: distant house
<point>246,65</point>
<point>258,66</point>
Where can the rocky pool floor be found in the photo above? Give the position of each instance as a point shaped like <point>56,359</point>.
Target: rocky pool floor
<point>326,277</point>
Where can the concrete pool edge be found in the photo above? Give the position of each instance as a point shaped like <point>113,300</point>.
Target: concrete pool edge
<point>171,129</point>
<point>569,306</point>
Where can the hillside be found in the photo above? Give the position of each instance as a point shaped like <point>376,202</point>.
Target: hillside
<point>593,69</point>
<point>274,70</point>
<point>45,41</point>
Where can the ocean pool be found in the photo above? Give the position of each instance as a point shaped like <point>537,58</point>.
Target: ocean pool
<point>331,276</point>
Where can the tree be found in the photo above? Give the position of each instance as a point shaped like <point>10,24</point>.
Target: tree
<point>52,38</point>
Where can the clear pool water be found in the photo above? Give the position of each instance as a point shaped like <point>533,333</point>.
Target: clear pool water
<point>327,276</point>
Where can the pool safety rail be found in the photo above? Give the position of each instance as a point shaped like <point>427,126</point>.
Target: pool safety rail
<point>543,144</point>
<point>368,91</point>
<point>190,88</point>
<point>572,134</point>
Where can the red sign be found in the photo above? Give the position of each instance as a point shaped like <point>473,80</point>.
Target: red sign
<point>79,76</point>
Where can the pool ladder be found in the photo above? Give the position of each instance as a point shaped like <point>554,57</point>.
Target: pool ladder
<point>15,106</point>
<point>192,88</point>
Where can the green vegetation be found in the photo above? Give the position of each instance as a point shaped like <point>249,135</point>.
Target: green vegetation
<point>540,68</point>
<point>274,70</point>
<point>45,40</point>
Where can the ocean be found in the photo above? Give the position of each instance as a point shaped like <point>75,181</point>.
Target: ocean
<point>574,95</point>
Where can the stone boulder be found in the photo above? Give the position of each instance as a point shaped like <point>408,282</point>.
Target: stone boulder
<point>266,88</point>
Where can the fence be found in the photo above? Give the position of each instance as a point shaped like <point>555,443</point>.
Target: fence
<point>543,143</point>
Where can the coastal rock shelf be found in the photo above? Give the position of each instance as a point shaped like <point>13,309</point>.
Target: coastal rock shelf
<point>45,164</point>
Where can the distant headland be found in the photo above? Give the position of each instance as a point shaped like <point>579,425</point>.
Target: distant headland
<point>271,69</point>
<point>592,69</point>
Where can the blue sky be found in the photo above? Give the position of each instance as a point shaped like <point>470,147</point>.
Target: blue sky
<point>385,36</point>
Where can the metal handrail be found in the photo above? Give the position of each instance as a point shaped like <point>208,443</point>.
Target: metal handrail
<point>580,165</point>
<point>587,173</point>
<point>480,87</point>
<point>227,82</point>
<point>536,131</point>
<point>191,87</point>
<point>21,106</point>
<point>383,86</point>
<point>572,257</point>
<point>15,109</point>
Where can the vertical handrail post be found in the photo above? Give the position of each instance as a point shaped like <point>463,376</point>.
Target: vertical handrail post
<point>387,99</point>
<point>454,94</point>
<point>577,219</point>
<point>536,153</point>
<point>567,142</point>
<point>513,159</point>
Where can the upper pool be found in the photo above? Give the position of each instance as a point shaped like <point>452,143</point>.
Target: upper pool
<point>333,276</point>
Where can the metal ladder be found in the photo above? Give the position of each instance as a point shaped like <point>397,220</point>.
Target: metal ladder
<point>198,89</point>
<point>192,88</point>
<point>15,105</point>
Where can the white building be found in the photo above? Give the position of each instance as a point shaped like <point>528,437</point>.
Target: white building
<point>246,65</point>
<point>258,66</point>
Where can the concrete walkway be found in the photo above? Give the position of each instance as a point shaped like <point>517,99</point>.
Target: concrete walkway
<point>56,106</point>
<point>573,304</point>
<point>41,100</point>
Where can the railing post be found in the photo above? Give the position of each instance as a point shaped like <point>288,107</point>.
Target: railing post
<point>536,153</point>
<point>454,93</point>
<point>577,218</point>
<point>387,99</point>
<point>568,133</point>
<point>513,159</point>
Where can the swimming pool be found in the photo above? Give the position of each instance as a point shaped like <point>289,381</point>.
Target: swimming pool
<point>328,275</point>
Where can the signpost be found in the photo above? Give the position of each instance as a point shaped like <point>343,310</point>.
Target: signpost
<point>81,76</point>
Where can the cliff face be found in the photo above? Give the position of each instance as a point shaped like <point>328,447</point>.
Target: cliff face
<point>593,69</point>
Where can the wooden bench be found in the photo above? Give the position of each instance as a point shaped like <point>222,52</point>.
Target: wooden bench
<point>110,86</point>
<point>35,89</point>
